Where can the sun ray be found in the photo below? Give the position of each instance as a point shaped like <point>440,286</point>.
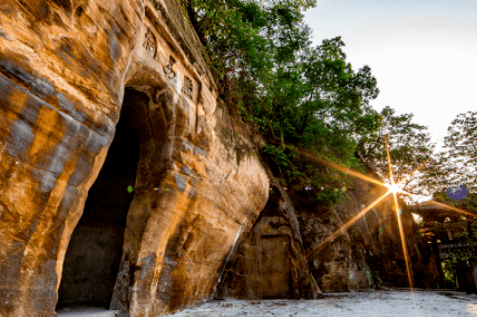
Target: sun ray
<point>348,224</point>
<point>335,166</point>
<point>467,213</point>
<point>403,241</point>
<point>419,167</point>
<point>452,208</point>
<point>340,168</point>
<point>394,188</point>
<point>405,251</point>
<point>389,160</point>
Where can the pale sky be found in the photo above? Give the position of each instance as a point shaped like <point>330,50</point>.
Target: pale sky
<point>422,53</point>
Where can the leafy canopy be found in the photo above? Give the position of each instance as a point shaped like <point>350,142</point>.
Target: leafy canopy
<point>456,164</point>
<point>409,146</point>
<point>296,95</point>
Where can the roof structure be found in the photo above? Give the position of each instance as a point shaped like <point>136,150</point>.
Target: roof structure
<point>425,206</point>
<point>429,209</point>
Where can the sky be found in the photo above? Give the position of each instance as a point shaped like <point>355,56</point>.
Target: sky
<point>422,53</point>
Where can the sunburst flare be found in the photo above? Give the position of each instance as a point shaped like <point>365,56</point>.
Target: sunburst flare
<point>340,168</point>
<point>348,224</point>
<point>452,208</point>
<point>394,189</point>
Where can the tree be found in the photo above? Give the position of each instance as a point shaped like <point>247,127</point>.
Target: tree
<point>240,37</point>
<point>336,105</point>
<point>296,95</point>
<point>456,164</point>
<point>321,105</point>
<point>460,151</point>
<point>409,146</point>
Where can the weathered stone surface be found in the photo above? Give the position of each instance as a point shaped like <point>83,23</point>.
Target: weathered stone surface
<point>69,71</point>
<point>369,253</point>
<point>119,167</point>
<point>269,262</point>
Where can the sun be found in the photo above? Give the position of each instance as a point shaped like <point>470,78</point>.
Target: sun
<point>394,188</point>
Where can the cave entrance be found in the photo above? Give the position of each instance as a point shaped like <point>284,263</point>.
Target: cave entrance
<point>94,253</point>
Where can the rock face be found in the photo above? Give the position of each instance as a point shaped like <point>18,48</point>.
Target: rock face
<point>113,94</point>
<point>125,184</point>
<point>270,263</point>
<point>368,254</point>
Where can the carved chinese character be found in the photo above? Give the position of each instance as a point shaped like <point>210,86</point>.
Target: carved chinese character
<point>199,69</point>
<point>150,43</point>
<point>168,69</point>
<point>188,87</point>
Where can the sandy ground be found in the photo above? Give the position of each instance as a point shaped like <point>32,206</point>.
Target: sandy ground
<point>86,312</point>
<point>420,303</point>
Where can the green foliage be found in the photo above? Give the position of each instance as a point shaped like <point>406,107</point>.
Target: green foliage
<point>459,235</point>
<point>471,202</point>
<point>456,164</point>
<point>329,197</point>
<point>409,146</point>
<point>298,96</point>
<point>459,256</point>
<point>448,267</point>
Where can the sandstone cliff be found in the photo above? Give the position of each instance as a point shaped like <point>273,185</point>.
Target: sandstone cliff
<point>269,262</point>
<point>170,192</point>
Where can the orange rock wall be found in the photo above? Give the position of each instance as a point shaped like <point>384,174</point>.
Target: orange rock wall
<point>64,67</point>
<point>270,262</point>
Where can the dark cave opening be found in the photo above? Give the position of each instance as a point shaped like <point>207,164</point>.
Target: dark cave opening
<point>94,253</point>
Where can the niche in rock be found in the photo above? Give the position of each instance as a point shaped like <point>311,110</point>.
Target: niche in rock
<point>94,253</point>
<point>276,267</point>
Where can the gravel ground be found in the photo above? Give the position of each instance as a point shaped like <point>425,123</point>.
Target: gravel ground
<point>420,303</point>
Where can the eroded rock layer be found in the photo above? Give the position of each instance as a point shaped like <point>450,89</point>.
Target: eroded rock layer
<point>269,263</point>
<point>369,253</point>
<point>125,183</point>
<point>69,72</point>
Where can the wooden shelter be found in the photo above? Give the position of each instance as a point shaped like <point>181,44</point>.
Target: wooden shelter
<point>446,230</point>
